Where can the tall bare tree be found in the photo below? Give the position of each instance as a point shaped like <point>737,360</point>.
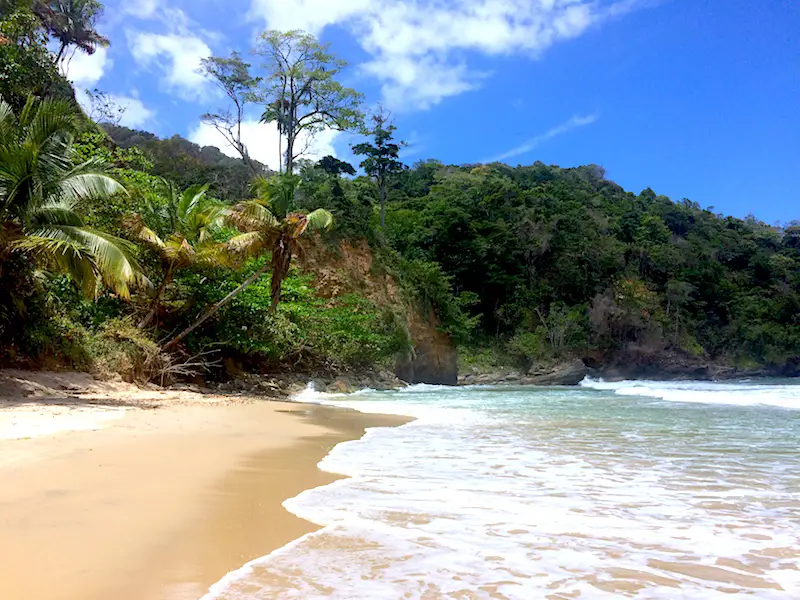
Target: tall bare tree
<point>232,76</point>
<point>301,91</point>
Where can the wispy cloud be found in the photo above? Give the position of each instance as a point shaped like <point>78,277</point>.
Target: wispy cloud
<point>534,142</point>
<point>420,50</point>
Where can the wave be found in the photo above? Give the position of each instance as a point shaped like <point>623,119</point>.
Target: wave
<point>411,401</point>
<point>310,395</point>
<point>739,393</point>
<point>526,491</point>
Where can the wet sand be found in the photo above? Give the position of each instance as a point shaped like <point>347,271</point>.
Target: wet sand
<point>162,503</point>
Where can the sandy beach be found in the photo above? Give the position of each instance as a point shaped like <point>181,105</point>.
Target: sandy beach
<point>109,491</point>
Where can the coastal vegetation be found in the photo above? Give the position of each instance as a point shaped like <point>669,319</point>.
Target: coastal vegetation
<point>122,252</point>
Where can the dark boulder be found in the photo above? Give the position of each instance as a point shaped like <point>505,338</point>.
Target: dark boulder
<point>571,373</point>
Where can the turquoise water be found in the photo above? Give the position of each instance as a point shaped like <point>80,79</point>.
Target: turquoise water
<point>624,490</point>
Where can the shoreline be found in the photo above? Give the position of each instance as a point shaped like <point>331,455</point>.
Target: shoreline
<point>156,503</point>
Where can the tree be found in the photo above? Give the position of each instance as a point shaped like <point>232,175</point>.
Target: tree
<point>232,76</point>
<point>103,108</point>
<point>72,23</point>
<point>678,295</point>
<point>40,190</point>
<point>302,92</point>
<point>269,226</point>
<point>381,155</point>
<point>335,167</point>
<point>27,67</point>
<point>181,230</point>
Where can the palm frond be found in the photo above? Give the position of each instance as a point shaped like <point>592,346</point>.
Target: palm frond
<point>54,213</point>
<point>252,215</point>
<point>8,122</point>
<point>40,189</point>
<point>113,257</point>
<point>62,254</point>
<point>211,220</point>
<point>139,229</point>
<point>179,251</point>
<point>251,243</point>
<point>48,119</point>
<point>277,192</point>
<point>320,219</point>
<point>190,200</point>
<point>212,255</point>
<point>80,185</point>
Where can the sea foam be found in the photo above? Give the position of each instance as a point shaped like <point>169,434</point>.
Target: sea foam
<point>747,393</point>
<point>521,493</point>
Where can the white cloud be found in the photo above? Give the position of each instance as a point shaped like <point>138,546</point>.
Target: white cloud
<point>178,55</point>
<point>85,70</point>
<point>309,15</point>
<point>143,9</point>
<point>262,142</point>
<point>534,142</point>
<point>420,82</point>
<point>419,47</point>
<point>135,114</point>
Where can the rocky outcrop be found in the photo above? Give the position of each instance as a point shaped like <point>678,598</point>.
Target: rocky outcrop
<point>496,377</point>
<point>676,364</point>
<point>351,269</point>
<point>434,358</point>
<point>571,373</point>
<point>563,373</point>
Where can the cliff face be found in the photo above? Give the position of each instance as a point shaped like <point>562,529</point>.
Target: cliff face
<point>351,268</point>
<point>434,358</point>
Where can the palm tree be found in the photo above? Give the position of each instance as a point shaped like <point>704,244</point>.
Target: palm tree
<point>72,23</point>
<point>180,229</point>
<point>268,226</point>
<point>40,191</point>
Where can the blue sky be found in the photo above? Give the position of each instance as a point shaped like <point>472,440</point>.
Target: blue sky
<point>696,99</point>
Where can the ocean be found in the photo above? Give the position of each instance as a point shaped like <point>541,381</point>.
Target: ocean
<point>648,490</point>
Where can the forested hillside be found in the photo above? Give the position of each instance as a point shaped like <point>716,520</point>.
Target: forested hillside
<point>186,163</point>
<point>157,259</point>
<point>566,261</point>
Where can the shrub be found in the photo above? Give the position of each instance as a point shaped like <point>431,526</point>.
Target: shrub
<point>346,332</point>
<point>119,347</point>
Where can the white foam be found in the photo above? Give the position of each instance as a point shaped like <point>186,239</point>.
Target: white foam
<point>311,396</point>
<point>734,393</point>
<point>522,493</point>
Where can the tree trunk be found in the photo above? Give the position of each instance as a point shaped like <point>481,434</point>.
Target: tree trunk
<point>383,204</point>
<point>148,318</point>
<point>280,148</point>
<point>281,259</point>
<point>251,164</point>
<point>60,52</point>
<point>289,153</point>
<point>210,312</point>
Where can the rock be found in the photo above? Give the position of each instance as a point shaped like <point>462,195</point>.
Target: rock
<point>434,358</point>
<point>341,386</point>
<point>571,373</point>
<point>294,388</point>
<point>320,385</point>
<point>233,368</point>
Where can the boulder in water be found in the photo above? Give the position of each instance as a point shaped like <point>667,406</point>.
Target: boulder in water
<point>571,373</point>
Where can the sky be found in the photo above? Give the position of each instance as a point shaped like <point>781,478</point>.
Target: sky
<point>696,99</point>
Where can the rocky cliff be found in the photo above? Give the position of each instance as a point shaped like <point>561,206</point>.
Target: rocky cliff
<point>351,268</point>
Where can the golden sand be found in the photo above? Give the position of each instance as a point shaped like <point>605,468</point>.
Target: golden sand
<point>159,504</point>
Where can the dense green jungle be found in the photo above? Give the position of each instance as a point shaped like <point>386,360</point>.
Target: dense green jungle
<point>156,259</point>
